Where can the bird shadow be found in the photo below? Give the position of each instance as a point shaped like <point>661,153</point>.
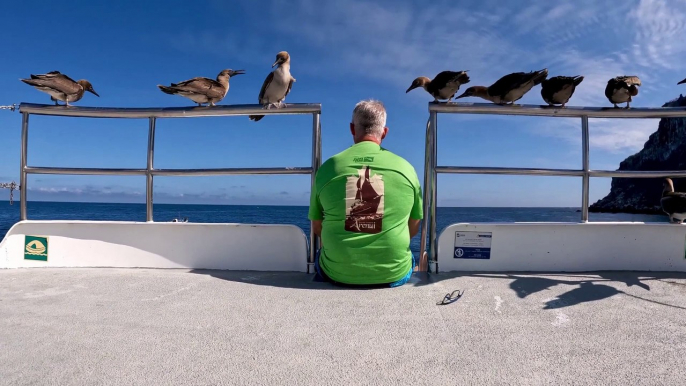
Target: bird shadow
<point>586,292</point>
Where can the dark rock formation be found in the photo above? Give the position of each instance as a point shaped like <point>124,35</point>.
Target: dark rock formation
<point>664,150</point>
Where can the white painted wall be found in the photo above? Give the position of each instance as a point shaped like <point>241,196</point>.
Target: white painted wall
<point>159,245</point>
<point>571,247</point>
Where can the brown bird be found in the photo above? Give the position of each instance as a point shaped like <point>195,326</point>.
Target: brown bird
<point>673,203</point>
<point>443,86</point>
<point>60,87</point>
<point>620,89</point>
<point>508,89</point>
<point>559,89</point>
<point>277,85</point>
<point>203,90</point>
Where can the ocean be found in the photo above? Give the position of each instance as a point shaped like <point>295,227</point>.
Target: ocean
<point>296,215</point>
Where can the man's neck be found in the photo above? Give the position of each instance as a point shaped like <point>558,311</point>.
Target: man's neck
<point>369,138</point>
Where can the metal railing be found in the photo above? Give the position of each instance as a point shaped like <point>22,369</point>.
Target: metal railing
<point>152,114</point>
<point>431,169</point>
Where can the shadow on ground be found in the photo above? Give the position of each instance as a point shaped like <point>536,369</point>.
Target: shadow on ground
<point>588,287</point>
<point>297,280</point>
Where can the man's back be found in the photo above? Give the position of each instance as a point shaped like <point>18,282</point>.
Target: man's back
<point>366,195</point>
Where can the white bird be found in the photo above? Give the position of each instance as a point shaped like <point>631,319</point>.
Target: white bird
<point>277,85</point>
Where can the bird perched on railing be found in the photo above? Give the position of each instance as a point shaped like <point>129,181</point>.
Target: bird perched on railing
<point>203,90</point>
<point>508,89</point>
<point>60,87</point>
<point>277,85</point>
<point>559,89</point>
<point>673,203</point>
<point>620,89</point>
<point>443,86</point>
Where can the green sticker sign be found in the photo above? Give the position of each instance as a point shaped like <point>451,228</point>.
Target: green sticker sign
<point>36,248</point>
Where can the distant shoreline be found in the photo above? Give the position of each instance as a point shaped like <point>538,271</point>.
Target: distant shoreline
<point>295,206</point>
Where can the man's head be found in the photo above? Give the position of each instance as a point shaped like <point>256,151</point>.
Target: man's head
<point>369,121</point>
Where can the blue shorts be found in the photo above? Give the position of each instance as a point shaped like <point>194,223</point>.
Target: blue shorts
<point>319,272</point>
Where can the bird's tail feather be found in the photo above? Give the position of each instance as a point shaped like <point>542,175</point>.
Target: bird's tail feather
<point>578,79</point>
<point>255,117</point>
<point>31,82</point>
<point>540,76</point>
<point>167,90</point>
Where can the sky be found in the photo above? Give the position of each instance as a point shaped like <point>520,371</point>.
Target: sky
<point>341,52</point>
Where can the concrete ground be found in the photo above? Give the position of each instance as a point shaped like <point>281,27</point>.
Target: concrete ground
<point>179,327</point>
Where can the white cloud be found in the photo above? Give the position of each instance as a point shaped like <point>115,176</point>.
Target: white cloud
<point>659,33</point>
<point>610,135</point>
<point>394,42</point>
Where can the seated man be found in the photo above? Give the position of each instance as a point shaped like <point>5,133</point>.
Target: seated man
<point>366,205</point>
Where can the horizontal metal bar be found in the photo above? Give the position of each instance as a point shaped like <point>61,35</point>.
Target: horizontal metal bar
<point>308,170</point>
<point>168,172</point>
<point>560,172</point>
<point>230,171</point>
<point>85,171</point>
<point>509,171</point>
<point>168,112</point>
<point>638,174</point>
<point>569,111</point>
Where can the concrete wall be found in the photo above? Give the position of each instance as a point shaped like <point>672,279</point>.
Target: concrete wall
<point>565,247</point>
<point>159,245</point>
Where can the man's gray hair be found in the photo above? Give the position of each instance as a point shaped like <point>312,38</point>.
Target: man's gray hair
<point>369,118</point>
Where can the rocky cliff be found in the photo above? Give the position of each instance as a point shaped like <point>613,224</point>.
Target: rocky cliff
<point>664,150</point>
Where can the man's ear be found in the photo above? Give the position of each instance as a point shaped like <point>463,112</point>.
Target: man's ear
<point>385,131</point>
<point>352,129</point>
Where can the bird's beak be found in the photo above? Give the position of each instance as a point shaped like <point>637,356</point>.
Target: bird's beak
<point>411,88</point>
<point>463,95</point>
<point>278,61</point>
<point>683,81</point>
<point>238,72</point>
<point>93,91</point>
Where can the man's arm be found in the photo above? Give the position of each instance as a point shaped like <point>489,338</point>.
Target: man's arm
<point>317,227</point>
<point>411,223</point>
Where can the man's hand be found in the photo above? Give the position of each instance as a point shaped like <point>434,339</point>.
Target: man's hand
<point>414,226</point>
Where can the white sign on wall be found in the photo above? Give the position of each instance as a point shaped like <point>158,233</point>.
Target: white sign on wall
<point>473,245</point>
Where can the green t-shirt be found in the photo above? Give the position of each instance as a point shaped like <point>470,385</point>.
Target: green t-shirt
<point>365,196</point>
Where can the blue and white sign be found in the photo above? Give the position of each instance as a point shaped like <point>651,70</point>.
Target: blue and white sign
<point>473,245</point>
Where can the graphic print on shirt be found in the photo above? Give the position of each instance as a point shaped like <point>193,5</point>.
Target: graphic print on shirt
<point>364,201</point>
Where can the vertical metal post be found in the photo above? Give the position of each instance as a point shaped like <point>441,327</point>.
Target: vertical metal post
<point>148,175</point>
<point>585,166</point>
<point>427,197</point>
<point>22,173</point>
<point>316,162</point>
<point>433,246</point>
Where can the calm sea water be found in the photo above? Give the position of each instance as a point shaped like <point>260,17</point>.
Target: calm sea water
<point>296,215</point>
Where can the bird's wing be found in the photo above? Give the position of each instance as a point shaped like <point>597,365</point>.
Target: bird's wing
<point>56,81</point>
<point>610,88</point>
<point>558,83</point>
<point>451,78</point>
<point>266,84</point>
<point>200,85</point>
<point>290,84</point>
<point>507,83</point>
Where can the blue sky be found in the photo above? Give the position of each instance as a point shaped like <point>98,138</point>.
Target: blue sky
<point>341,52</point>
